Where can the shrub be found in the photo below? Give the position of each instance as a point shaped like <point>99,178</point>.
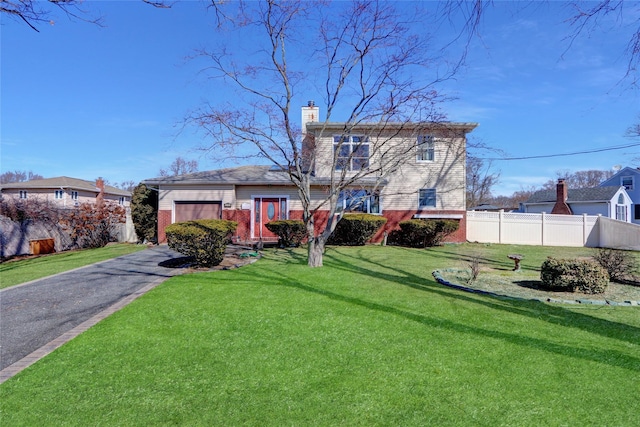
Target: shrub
<point>290,232</point>
<point>618,263</point>
<point>94,225</point>
<point>144,213</point>
<point>571,275</point>
<point>203,239</point>
<point>420,233</point>
<point>356,229</point>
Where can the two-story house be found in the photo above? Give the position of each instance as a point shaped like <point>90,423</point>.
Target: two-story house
<point>66,192</point>
<point>412,171</point>
<point>629,178</point>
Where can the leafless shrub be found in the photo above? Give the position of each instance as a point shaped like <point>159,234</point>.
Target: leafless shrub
<point>618,263</point>
<point>474,267</point>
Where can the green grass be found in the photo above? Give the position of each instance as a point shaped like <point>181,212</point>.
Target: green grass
<point>369,339</point>
<point>21,271</point>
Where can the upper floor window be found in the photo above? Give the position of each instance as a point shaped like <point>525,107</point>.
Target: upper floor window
<point>23,194</point>
<point>74,195</point>
<point>59,194</point>
<point>359,201</point>
<point>122,200</point>
<point>426,148</point>
<point>427,198</point>
<point>627,182</point>
<point>351,151</point>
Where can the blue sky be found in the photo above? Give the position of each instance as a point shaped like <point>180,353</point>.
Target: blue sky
<point>85,101</point>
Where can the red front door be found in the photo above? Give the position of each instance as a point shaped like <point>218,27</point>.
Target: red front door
<point>266,210</point>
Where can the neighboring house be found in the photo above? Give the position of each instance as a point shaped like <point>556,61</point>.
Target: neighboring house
<point>629,178</point>
<point>611,202</point>
<point>430,183</point>
<point>65,191</point>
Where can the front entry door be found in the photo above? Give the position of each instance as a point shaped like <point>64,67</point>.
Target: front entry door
<point>266,210</point>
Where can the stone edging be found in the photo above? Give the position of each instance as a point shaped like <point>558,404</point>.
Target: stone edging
<point>438,276</point>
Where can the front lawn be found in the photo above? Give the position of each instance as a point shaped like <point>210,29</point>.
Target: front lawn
<point>369,339</point>
<point>14,272</point>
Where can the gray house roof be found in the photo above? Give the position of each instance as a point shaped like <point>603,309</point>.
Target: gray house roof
<point>62,182</point>
<point>575,195</point>
<point>243,175</point>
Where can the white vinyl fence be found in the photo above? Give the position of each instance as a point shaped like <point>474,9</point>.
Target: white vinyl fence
<point>551,230</point>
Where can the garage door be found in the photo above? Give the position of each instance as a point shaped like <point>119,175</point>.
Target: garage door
<point>187,211</point>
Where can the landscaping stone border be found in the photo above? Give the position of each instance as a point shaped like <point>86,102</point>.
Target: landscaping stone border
<point>582,301</point>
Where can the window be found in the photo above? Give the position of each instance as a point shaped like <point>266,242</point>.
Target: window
<point>351,151</point>
<point>426,148</point>
<point>74,195</point>
<point>59,194</point>
<point>621,213</point>
<point>359,201</point>
<point>122,200</point>
<point>637,211</point>
<point>627,182</point>
<point>23,194</point>
<point>427,198</point>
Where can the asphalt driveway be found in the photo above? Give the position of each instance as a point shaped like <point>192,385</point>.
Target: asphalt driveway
<point>34,314</point>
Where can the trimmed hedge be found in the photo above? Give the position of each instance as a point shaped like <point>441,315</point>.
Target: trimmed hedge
<point>422,233</point>
<point>571,275</point>
<point>356,229</point>
<point>290,232</point>
<point>203,239</point>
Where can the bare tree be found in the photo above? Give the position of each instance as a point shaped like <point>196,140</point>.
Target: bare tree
<point>373,65</point>
<point>587,18</point>
<point>18,176</point>
<point>480,181</point>
<point>180,166</point>
<point>37,12</point>
<point>579,179</point>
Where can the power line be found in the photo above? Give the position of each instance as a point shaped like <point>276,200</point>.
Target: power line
<point>595,150</point>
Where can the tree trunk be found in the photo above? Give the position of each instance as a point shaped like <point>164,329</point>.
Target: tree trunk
<point>315,252</point>
<point>315,246</point>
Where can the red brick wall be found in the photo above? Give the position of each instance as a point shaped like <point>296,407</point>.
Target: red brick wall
<point>243,218</point>
<point>393,218</point>
<point>164,219</point>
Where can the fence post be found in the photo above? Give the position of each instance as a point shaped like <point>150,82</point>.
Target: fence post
<point>543,217</point>
<point>584,229</point>
<point>500,220</point>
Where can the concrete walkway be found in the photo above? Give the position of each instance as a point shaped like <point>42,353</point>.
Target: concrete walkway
<point>39,316</point>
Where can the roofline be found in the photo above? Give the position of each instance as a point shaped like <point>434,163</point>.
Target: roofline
<point>465,126</point>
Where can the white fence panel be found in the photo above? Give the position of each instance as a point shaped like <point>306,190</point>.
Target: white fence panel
<point>533,229</point>
<point>522,229</point>
<point>619,235</point>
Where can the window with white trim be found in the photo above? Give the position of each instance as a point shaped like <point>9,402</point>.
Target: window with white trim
<point>122,200</point>
<point>621,212</point>
<point>74,195</point>
<point>426,148</point>
<point>59,194</point>
<point>351,151</point>
<point>627,182</point>
<point>23,194</point>
<point>427,198</point>
<point>359,201</point>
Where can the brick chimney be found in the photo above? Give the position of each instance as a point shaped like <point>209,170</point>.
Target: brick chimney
<point>310,113</point>
<point>100,196</point>
<point>561,207</point>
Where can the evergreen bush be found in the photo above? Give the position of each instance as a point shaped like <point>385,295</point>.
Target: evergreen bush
<point>571,275</point>
<point>204,239</point>
<point>290,232</point>
<point>421,233</point>
<point>144,213</point>
<point>356,229</point>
